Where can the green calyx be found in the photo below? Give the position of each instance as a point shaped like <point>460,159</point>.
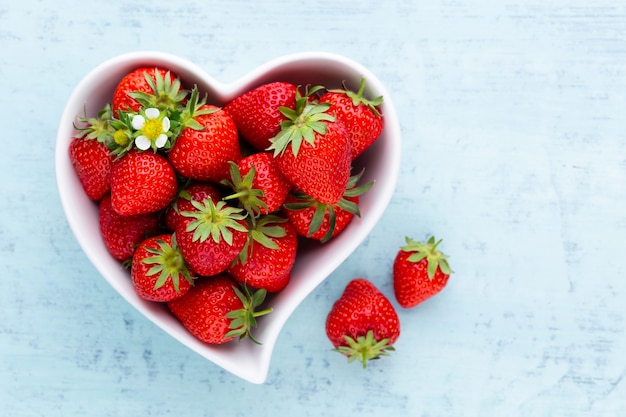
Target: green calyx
<point>96,128</point>
<point>249,198</point>
<point>243,320</point>
<point>428,250</point>
<point>262,232</point>
<point>302,124</point>
<point>215,221</point>
<point>365,348</point>
<point>322,210</point>
<point>168,262</point>
<point>187,117</point>
<point>358,99</point>
<point>166,93</point>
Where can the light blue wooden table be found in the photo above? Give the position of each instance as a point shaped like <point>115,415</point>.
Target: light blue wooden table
<point>514,123</point>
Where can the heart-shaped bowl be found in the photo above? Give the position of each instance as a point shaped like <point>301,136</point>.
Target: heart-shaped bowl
<point>314,263</point>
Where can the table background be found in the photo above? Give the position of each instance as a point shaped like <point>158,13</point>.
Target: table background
<point>513,152</point>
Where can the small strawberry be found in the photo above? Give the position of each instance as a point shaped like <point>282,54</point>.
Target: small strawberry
<point>420,271</point>
<point>211,236</point>
<point>216,311</point>
<point>122,234</point>
<point>90,156</point>
<point>312,150</point>
<point>322,222</point>
<point>158,270</point>
<point>258,184</point>
<point>207,142</point>
<point>362,324</point>
<point>361,117</point>
<point>148,87</point>
<point>256,112</point>
<point>268,256</point>
<point>195,191</point>
<point>142,182</point>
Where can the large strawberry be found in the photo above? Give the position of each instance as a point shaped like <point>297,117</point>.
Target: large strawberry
<point>142,182</point>
<point>122,234</point>
<point>194,191</point>
<point>258,184</point>
<point>148,87</point>
<point>256,112</point>
<point>268,256</point>
<point>361,116</point>
<point>158,270</point>
<point>322,222</point>
<point>362,324</point>
<point>211,236</point>
<point>420,270</point>
<point>313,150</point>
<point>90,156</point>
<point>207,143</point>
<point>216,311</point>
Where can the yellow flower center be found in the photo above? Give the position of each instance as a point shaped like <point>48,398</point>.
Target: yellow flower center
<point>120,137</point>
<point>152,129</point>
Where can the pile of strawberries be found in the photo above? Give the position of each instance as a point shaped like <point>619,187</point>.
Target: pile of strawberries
<point>206,205</point>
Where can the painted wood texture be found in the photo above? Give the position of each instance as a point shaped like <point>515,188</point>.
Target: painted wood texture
<point>514,152</point>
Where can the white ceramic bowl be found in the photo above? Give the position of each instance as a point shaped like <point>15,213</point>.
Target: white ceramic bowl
<point>314,263</point>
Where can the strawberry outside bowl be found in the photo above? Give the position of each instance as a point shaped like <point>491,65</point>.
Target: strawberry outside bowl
<point>314,263</point>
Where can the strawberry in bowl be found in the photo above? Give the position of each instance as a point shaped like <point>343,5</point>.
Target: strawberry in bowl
<point>175,133</point>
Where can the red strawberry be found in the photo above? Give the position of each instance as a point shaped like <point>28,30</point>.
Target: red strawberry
<point>320,221</point>
<point>360,116</point>
<point>420,271</point>
<point>266,260</point>
<point>216,311</point>
<point>90,156</point>
<point>207,142</point>
<point>122,234</point>
<point>158,270</point>
<point>256,112</point>
<point>197,191</point>
<point>362,323</point>
<point>142,182</point>
<point>148,87</point>
<point>211,236</point>
<point>259,185</point>
<point>313,151</point>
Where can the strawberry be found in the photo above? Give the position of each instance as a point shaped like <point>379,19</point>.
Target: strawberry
<point>268,256</point>
<point>420,271</point>
<point>360,116</point>
<point>256,112</point>
<point>90,156</point>
<point>122,234</point>
<point>158,270</point>
<point>207,142</point>
<point>216,311</point>
<point>362,324</point>
<point>313,150</point>
<point>148,87</point>
<point>142,182</point>
<point>322,222</point>
<point>211,236</point>
<point>258,184</point>
<point>195,191</point>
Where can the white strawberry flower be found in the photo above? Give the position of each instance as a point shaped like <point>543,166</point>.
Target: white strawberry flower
<point>152,129</point>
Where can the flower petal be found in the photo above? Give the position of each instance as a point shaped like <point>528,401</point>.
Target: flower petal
<point>161,140</point>
<point>152,113</point>
<point>138,122</point>
<point>143,142</point>
<point>166,124</point>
